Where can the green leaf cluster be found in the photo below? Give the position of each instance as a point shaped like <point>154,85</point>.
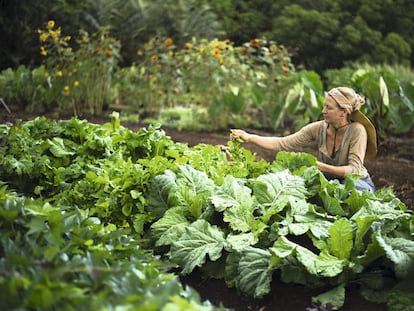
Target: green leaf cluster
<point>61,258</point>
<point>295,223</point>
<point>96,200</point>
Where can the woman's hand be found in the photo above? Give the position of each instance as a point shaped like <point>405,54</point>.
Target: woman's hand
<point>235,134</point>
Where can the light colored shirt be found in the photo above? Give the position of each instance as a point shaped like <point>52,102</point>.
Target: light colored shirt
<point>351,152</point>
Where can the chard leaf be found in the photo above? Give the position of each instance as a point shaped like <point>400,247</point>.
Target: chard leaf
<point>199,240</point>
<point>283,247</point>
<point>363,226</point>
<point>232,193</point>
<point>384,209</point>
<point>193,192</point>
<point>161,187</point>
<point>340,241</point>
<point>238,242</point>
<point>317,226</point>
<point>57,147</point>
<point>401,252</point>
<point>323,265</point>
<point>170,227</point>
<point>236,201</point>
<point>275,190</point>
<point>335,297</point>
<point>241,218</point>
<point>197,181</point>
<point>254,271</point>
<point>331,203</point>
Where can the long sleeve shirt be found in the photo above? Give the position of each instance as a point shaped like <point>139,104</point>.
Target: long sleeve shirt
<point>351,152</point>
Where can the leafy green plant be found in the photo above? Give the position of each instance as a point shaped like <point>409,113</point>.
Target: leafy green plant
<point>58,257</point>
<point>79,76</point>
<point>257,226</point>
<point>96,196</point>
<point>25,89</point>
<point>233,83</point>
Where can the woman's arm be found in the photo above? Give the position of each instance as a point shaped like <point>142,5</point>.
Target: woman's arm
<point>261,141</point>
<point>339,171</point>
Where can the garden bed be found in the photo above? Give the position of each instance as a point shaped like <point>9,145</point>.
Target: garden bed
<point>392,168</point>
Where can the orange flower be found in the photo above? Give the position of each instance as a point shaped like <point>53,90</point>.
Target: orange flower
<point>255,43</point>
<point>168,42</point>
<point>154,58</point>
<point>108,53</point>
<point>158,67</point>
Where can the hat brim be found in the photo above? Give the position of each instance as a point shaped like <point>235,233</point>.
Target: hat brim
<point>358,116</point>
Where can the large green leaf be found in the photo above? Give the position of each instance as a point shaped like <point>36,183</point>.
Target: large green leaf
<point>199,240</point>
<point>274,191</point>
<point>341,239</point>
<point>236,201</point>
<point>255,273</point>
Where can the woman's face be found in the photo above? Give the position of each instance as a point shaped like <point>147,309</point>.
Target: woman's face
<point>331,112</point>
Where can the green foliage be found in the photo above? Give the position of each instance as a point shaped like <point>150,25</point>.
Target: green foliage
<point>105,198</point>
<point>59,257</point>
<point>79,79</point>
<point>233,84</point>
<point>256,221</point>
<point>389,92</point>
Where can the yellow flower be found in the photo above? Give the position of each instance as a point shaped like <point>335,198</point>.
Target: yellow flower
<point>60,74</point>
<point>171,53</point>
<point>69,49</point>
<point>66,39</point>
<point>140,53</point>
<point>215,52</point>
<point>221,61</point>
<point>46,75</point>
<point>66,90</point>
<point>214,44</point>
<point>201,49</point>
<point>43,51</point>
<point>158,67</point>
<point>108,53</point>
<point>189,45</point>
<point>153,77</point>
<point>50,24</point>
<point>154,58</point>
<point>76,83</point>
<point>44,36</point>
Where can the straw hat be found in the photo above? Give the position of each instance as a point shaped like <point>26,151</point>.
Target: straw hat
<point>347,98</point>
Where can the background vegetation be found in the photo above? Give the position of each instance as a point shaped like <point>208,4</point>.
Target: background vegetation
<point>241,63</point>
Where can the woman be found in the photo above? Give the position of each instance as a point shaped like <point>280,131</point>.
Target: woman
<point>342,140</point>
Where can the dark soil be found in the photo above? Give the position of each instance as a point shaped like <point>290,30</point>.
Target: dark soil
<point>393,167</point>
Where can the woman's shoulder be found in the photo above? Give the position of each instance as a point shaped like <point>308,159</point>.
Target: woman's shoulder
<point>357,127</point>
<point>317,125</point>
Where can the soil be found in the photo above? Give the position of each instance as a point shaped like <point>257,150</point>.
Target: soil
<point>393,167</point>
